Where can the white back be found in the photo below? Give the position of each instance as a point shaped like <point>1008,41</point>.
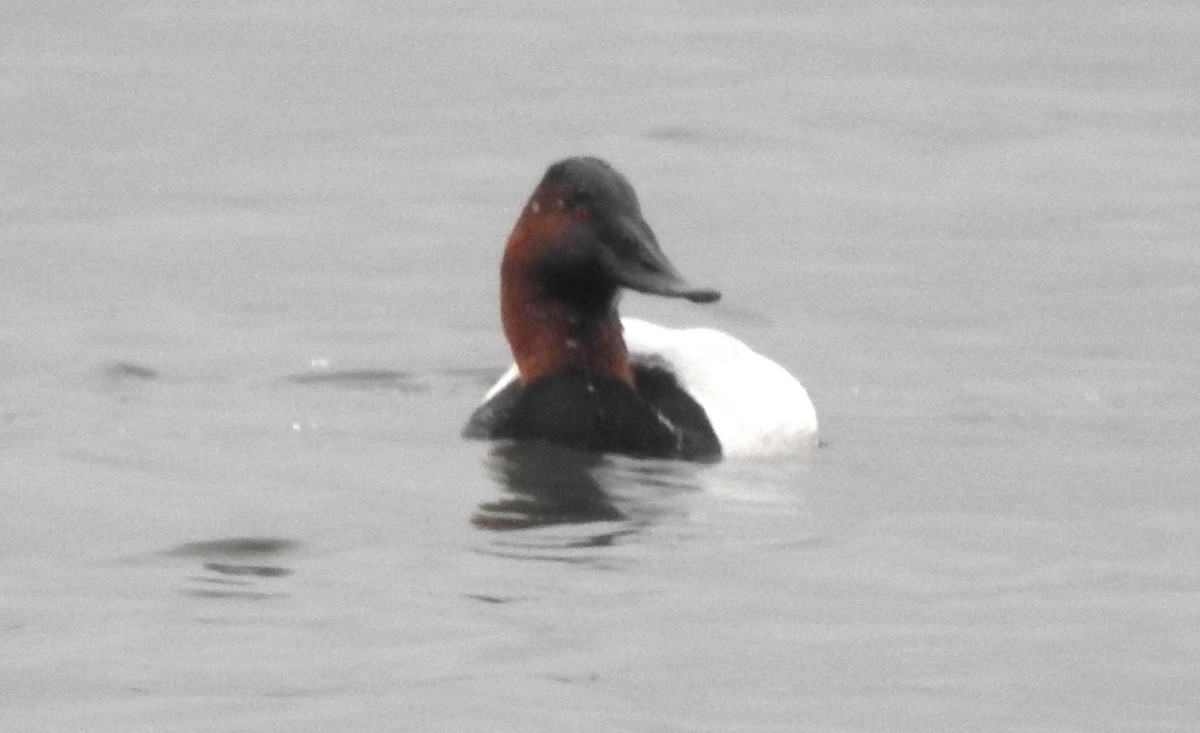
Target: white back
<point>756,407</point>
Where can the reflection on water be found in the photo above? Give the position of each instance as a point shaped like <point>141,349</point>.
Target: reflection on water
<point>547,485</point>
<point>119,372</point>
<point>235,567</point>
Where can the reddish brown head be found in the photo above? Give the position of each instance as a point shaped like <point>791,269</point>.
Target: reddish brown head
<point>580,238</point>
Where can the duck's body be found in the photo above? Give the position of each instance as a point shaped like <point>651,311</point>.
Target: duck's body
<point>748,404</point>
<point>655,417</point>
<point>586,378</point>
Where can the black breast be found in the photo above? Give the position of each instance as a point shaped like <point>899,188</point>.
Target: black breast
<point>653,419</point>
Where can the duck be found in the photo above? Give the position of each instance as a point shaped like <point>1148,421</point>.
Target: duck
<point>586,378</point>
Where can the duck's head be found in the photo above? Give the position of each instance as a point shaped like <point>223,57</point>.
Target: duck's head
<point>580,238</point>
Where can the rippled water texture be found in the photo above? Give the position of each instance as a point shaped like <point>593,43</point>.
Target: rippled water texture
<point>248,258</point>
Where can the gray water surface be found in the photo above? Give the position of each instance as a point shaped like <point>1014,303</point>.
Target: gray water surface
<point>248,262</point>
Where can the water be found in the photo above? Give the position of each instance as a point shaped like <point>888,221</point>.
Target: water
<point>247,298</point>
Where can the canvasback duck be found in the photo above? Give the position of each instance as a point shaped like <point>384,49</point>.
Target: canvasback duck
<point>586,378</point>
